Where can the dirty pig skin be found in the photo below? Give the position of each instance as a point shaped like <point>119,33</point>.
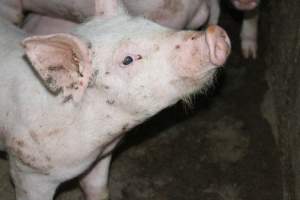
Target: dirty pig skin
<point>67,99</point>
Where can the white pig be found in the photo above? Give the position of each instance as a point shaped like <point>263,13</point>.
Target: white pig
<point>249,26</point>
<point>36,24</point>
<point>62,115</point>
<point>74,10</point>
<point>178,14</point>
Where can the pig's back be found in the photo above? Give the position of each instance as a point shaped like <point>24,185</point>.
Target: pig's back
<point>175,14</point>
<point>11,36</point>
<point>12,63</point>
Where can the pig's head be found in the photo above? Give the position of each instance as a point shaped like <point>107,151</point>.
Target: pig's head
<point>130,63</point>
<point>245,4</point>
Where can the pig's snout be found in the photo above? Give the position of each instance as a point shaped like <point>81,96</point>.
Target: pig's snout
<point>245,4</point>
<point>219,44</point>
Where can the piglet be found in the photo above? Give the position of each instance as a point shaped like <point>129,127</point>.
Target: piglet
<point>53,16</point>
<point>177,14</point>
<point>36,24</point>
<point>73,10</point>
<point>68,102</point>
<point>60,16</point>
<point>249,26</point>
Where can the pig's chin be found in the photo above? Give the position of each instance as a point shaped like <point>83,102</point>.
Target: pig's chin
<point>197,85</point>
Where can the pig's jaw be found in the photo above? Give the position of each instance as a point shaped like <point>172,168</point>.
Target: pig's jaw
<point>115,117</point>
<point>187,86</point>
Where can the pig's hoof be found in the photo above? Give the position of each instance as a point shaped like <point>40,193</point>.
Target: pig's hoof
<point>249,48</point>
<point>103,195</point>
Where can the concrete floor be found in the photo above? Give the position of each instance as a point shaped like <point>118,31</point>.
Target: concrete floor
<point>222,148</point>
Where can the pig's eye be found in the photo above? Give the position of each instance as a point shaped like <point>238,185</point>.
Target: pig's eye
<point>127,60</point>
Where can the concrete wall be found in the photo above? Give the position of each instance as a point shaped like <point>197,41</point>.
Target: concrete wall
<point>280,37</point>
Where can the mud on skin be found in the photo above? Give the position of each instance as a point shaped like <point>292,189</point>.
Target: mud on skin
<point>59,129</point>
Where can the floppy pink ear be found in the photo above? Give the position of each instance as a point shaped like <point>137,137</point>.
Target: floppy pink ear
<point>63,62</point>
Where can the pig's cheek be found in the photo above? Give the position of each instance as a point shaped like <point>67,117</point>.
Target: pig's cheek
<point>188,62</point>
<point>114,86</point>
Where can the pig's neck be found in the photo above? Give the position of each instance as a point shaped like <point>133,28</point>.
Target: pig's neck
<point>105,121</point>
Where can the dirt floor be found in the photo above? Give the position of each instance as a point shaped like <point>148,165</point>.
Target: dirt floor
<point>221,149</point>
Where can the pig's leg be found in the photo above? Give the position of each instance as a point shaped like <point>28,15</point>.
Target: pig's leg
<point>30,185</point>
<point>249,34</point>
<point>94,184</point>
<point>214,12</point>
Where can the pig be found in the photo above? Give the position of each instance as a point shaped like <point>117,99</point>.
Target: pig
<point>67,99</point>
<point>249,26</point>
<point>74,10</point>
<point>36,24</point>
<point>176,14</point>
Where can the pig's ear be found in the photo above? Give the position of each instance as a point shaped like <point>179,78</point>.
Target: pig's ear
<point>63,62</point>
<point>110,8</point>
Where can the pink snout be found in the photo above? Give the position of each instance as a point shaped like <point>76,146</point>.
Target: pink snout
<point>219,44</point>
<point>245,4</point>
